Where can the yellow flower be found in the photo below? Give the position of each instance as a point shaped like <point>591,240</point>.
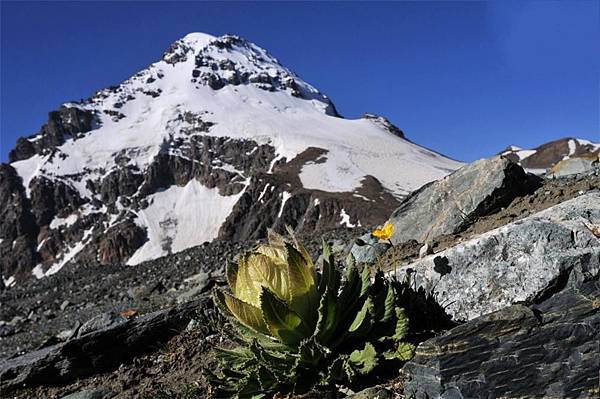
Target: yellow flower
<point>384,233</point>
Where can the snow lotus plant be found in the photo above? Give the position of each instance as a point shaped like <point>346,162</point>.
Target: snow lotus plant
<point>301,330</point>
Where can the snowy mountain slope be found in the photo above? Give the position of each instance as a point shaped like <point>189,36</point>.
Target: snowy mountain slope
<point>215,140</point>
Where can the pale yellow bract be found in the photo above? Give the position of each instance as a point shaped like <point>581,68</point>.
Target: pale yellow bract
<point>384,233</point>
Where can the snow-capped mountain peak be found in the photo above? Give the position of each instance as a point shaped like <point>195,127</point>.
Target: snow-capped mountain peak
<point>215,139</point>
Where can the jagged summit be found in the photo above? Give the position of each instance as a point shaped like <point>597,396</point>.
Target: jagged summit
<point>216,139</point>
<point>197,39</point>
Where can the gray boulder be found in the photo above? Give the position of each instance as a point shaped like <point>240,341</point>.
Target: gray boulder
<point>100,322</point>
<point>97,351</point>
<point>96,393</point>
<point>201,283</point>
<point>575,165</point>
<point>449,205</point>
<point>369,250</point>
<point>516,263</point>
<point>548,350</point>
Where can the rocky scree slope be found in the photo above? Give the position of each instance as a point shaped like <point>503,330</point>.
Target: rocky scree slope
<point>215,140</point>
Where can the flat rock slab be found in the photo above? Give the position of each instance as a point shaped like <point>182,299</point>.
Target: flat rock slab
<point>97,351</point>
<point>449,205</point>
<point>517,263</point>
<point>550,350</point>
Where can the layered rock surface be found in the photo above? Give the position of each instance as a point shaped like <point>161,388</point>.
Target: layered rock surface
<point>517,263</point>
<point>548,350</point>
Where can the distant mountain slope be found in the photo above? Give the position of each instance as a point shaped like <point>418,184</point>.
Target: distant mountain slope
<point>215,140</point>
<point>547,155</point>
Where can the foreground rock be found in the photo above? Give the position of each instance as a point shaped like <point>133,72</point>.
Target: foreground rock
<point>520,262</point>
<point>96,351</point>
<point>549,350</point>
<point>449,205</point>
<point>576,165</point>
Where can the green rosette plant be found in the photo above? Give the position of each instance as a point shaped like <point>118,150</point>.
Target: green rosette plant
<point>300,330</point>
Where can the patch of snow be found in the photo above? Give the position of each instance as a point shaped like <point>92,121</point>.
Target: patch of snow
<point>9,282</point>
<point>535,171</point>
<point>522,154</point>
<point>595,146</point>
<point>572,148</point>
<point>363,197</point>
<point>68,221</point>
<point>41,244</point>
<point>181,217</point>
<point>262,193</point>
<point>229,168</point>
<point>346,219</point>
<point>285,196</point>
<point>38,271</point>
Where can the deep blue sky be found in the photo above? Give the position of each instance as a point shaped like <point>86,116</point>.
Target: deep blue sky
<point>463,78</point>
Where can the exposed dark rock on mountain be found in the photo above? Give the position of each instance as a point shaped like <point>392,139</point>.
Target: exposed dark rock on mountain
<point>119,243</point>
<point>18,228</point>
<point>384,122</point>
<point>67,122</point>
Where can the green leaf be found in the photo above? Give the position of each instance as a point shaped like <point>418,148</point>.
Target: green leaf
<point>328,318</point>
<point>257,270</point>
<point>389,305</point>
<point>300,247</point>
<point>404,352</point>
<point>349,301</point>
<point>235,358</point>
<point>366,280</point>
<point>330,277</point>
<point>364,360</point>
<point>282,322</point>
<point>311,352</point>
<point>304,297</point>
<point>401,324</point>
<point>281,360</point>
<point>350,261</point>
<point>335,371</point>
<point>275,249</point>
<point>363,321</point>
<point>245,313</point>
